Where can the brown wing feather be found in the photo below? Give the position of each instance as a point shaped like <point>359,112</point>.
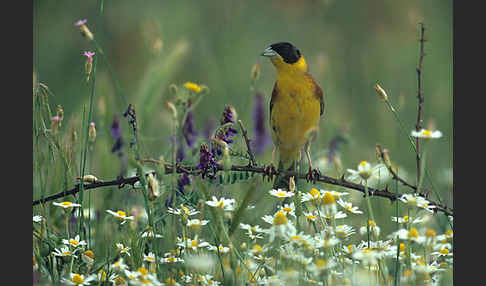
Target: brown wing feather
<point>318,93</point>
<point>274,95</point>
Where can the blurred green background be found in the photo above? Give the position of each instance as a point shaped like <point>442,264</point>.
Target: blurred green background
<point>348,45</point>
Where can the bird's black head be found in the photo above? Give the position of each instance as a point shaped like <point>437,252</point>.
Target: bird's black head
<point>289,53</point>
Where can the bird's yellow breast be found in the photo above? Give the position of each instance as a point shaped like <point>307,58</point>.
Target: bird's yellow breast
<point>295,112</point>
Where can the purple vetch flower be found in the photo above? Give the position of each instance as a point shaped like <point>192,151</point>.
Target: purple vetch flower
<point>180,153</point>
<point>116,133</point>
<point>207,161</point>
<point>229,116</point>
<point>188,130</point>
<point>184,180</point>
<point>261,136</point>
<point>115,128</point>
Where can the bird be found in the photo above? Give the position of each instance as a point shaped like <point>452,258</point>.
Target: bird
<point>296,107</point>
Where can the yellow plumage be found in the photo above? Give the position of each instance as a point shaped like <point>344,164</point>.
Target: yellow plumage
<point>295,108</point>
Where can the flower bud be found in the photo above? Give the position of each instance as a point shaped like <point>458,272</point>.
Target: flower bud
<point>381,92</point>
<point>55,124</point>
<point>292,184</point>
<point>86,32</point>
<point>153,187</point>
<point>89,179</point>
<point>92,132</point>
<point>172,109</point>
<point>255,72</point>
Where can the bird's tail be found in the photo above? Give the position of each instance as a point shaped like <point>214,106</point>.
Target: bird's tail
<point>284,165</point>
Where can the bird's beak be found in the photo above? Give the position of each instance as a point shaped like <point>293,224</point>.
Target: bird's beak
<point>268,52</point>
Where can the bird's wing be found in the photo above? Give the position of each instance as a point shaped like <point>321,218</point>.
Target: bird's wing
<point>274,95</point>
<point>318,93</point>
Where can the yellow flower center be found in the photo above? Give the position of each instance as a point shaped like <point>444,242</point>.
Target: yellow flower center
<point>402,247</point>
<point>170,281</point>
<point>120,281</point>
<point>101,275</point>
<point>66,204</point>
<point>328,199</point>
<point>444,251</point>
<point>194,243</point>
<point>295,237</point>
<point>170,259</point>
<point>280,219</point>
<point>371,223</point>
<point>281,194</point>
<point>192,86</point>
<point>363,163</point>
<point>311,217</point>
<point>426,132</point>
<point>350,248</point>
<point>220,204</point>
<point>89,253</point>
<point>186,210</point>
<point>408,272</point>
<point>142,271</point>
<point>121,213</point>
<point>448,233</point>
<point>315,193</point>
<point>430,233</point>
<point>66,253</point>
<point>287,210</point>
<point>258,248</point>
<point>73,242</point>
<point>77,279</point>
<point>320,263</point>
<point>412,233</point>
<point>367,250</point>
<point>405,218</point>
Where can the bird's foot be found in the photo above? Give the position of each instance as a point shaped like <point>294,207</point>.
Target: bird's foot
<point>269,171</point>
<point>313,174</point>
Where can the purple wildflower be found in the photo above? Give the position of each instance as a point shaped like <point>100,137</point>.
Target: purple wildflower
<point>116,133</point>
<point>115,128</point>
<point>229,116</point>
<point>80,22</point>
<point>262,138</point>
<point>89,55</point>
<point>188,130</point>
<point>180,153</point>
<point>206,160</point>
<point>184,180</point>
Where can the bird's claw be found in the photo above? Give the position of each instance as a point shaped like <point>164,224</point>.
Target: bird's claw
<point>313,175</point>
<point>269,171</point>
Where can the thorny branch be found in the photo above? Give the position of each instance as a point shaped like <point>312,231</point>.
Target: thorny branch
<point>193,170</point>
<point>420,96</point>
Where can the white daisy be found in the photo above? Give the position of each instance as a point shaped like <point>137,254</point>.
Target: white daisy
<point>221,249</point>
<point>289,209</point>
<point>121,215</point>
<point>281,193</point>
<point>414,200</point>
<point>74,242</point>
<point>37,218</point>
<point>426,134</point>
<point>192,244</point>
<point>79,279</point>
<point>224,204</point>
<point>196,222</point>
<point>63,252</point>
<point>150,257</point>
<point>123,249</point>
<point>171,259</point>
<point>66,205</point>
<point>369,174</point>
<point>281,226</point>
<point>183,210</point>
<point>348,207</point>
